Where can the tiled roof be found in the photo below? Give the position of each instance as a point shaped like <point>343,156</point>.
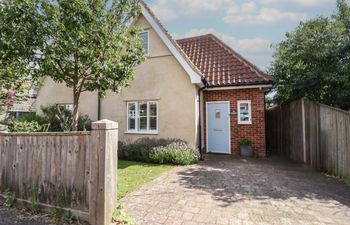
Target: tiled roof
<point>221,65</point>
<point>24,106</point>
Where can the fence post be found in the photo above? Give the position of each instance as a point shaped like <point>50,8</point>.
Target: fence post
<point>103,172</point>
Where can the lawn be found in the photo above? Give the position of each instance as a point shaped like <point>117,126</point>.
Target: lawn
<point>132,175</point>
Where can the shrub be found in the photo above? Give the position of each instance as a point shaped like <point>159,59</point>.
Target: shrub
<point>163,151</point>
<point>175,153</point>
<point>245,142</point>
<point>24,126</point>
<point>54,118</point>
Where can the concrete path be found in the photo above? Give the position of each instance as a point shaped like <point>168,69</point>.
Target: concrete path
<point>222,190</point>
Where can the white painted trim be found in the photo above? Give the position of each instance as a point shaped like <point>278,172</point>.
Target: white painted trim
<point>238,87</point>
<point>229,123</point>
<point>127,116</point>
<point>141,132</point>
<point>148,42</point>
<point>194,76</point>
<point>249,102</point>
<point>136,131</point>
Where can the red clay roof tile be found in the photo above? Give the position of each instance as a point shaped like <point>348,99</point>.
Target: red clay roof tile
<point>221,65</point>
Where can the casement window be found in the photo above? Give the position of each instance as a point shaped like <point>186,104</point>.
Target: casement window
<point>244,112</point>
<point>67,106</point>
<point>145,39</point>
<point>142,117</point>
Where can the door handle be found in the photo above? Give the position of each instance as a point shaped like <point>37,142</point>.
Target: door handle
<point>217,129</point>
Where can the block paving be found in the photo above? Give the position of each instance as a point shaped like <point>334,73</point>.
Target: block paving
<point>223,190</point>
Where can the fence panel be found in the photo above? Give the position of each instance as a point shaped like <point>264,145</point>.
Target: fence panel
<point>53,165</point>
<point>312,133</point>
<point>70,171</point>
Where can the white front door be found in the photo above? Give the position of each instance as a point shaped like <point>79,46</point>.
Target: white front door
<point>218,127</point>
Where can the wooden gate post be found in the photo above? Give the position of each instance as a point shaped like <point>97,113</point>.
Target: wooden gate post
<point>103,172</point>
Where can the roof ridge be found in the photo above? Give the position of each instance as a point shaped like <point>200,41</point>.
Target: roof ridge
<point>241,58</point>
<point>195,37</point>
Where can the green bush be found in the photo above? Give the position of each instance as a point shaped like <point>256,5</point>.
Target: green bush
<point>163,151</point>
<point>55,118</point>
<point>177,153</point>
<point>245,142</point>
<point>24,126</point>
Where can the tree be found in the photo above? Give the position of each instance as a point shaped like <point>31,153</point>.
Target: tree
<point>17,44</point>
<point>314,61</point>
<point>87,44</point>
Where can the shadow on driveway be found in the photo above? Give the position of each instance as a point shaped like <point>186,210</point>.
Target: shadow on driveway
<point>231,180</point>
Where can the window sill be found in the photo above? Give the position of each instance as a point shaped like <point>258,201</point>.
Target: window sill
<point>242,123</point>
<point>142,132</point>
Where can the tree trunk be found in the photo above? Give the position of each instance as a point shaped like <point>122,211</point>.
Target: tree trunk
<point>75,114</point>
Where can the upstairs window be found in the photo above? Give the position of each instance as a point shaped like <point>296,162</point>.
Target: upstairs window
<point>67,106</point>
<point>145,39</point>
<point>244,112</point>
<point>142,117</point>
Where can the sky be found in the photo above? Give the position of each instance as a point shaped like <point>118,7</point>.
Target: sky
<point>249,27</point>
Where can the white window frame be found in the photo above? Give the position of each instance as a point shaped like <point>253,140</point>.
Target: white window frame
<point>68,106</point>
<point>148,48</point>
<point>137,130</point>
<point>249,102</point>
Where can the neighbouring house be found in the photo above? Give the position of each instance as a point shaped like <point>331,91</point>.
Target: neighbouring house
<point>21,108</point>
<point>197,89</point>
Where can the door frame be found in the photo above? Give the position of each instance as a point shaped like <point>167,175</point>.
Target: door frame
<point>229,123</point>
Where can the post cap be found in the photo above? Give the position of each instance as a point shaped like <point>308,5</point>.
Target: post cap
<point>104,125</point>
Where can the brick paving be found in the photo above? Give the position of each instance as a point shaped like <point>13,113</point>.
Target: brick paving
<point>225,190</point>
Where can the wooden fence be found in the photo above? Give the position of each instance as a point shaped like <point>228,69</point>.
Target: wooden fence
<point>311,133</point>
<point>65,170</point>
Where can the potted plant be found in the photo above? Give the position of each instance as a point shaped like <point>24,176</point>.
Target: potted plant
<point>246,149</point>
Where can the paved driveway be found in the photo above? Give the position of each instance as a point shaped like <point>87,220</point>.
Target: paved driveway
<point>222,190</point>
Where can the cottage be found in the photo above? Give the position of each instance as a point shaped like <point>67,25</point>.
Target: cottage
<point>197,89</point>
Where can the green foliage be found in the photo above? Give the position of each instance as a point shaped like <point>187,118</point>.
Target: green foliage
<point>314,61</point>
<point>161,151</point>
<point>347,182</point>
<point>245,142</point>
<point>9,199</point>
<point>68,218</point>
<point>24,126</point>
<point>19,37</point>
<point>21,205</point>
<point>33,197</point>
<point>177,153</point>
<point>87,45</point>
<point>56,118</point>
<point>120,217</point>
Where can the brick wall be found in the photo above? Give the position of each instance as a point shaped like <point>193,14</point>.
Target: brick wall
<point>255,131</point>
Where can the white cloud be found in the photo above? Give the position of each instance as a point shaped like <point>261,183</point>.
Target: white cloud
<point>298,2</point>
<point>257,50</point>
<point>249,13</point>
<point>174,9</point>
<point>313,2</point>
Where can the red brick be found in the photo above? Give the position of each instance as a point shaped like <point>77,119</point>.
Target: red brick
<point>255,131</point>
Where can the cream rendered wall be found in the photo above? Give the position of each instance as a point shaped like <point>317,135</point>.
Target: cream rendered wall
<point>53,93</point>
<point>160,78</point>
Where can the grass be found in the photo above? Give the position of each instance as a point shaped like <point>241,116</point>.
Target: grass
<point>347,182</point>
<point>132,175</point>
